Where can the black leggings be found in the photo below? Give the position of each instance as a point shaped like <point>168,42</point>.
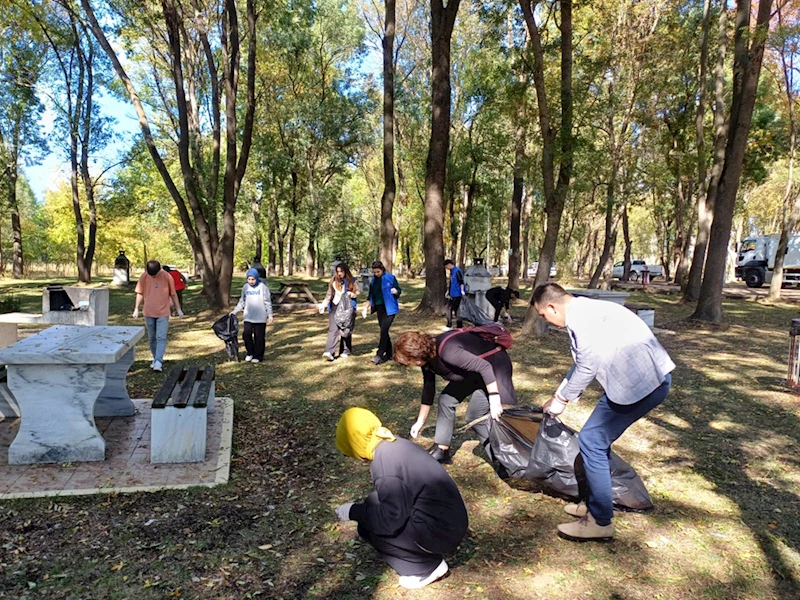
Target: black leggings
<point>385,343</point>
<point>254,335</point>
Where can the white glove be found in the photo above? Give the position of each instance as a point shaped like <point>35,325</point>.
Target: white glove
<point>556,406</point>
<point>321,308</point>
<point>394,291</point>
<point>364,312</point>
<point>343,511</point>
<point>495,406</point>
<point>135,313</point>
<point>415,428</point>
<point>180,313</point>
<point>270,320</point>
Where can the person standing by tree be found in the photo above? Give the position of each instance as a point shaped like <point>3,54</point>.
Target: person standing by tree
<point>384,292</point>
<point>455,292</point>
<point>156,288</point>
<point>341,288</point>
<point>611,344</point>
<point>256,302</point>
<point>180,283</point>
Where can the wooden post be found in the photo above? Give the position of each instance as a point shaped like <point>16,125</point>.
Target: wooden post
<point>794,355</point>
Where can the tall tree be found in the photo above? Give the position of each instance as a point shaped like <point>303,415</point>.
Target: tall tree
<point>443,19</point>
<point>748,56</point>
<point>708,186</point>
<point>388,231</point>
<point>786,42</point>
<point>22,56</point>
<point>555,190</point>
<point>183,36</point>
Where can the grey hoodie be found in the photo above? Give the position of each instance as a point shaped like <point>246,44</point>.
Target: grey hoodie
<point>256,302</point>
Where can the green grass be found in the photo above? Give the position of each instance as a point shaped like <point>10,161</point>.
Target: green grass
<point>720,459</point>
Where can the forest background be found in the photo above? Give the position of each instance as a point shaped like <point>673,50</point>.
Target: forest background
<point>304,131</point>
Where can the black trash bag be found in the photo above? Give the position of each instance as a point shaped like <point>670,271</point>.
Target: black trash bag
<point>227,329</point>
<point>470,311</point>
<point>537,447</point>
<point>343,316</point>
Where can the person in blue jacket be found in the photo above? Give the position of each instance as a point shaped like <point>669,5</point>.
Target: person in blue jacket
<point>455,292</point>
<point>382,299</point>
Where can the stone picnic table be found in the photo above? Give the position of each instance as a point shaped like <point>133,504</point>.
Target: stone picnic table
<point>297,290</point>
<point>62,378</point>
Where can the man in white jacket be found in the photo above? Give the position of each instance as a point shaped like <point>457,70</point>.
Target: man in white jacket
<point>611,344</point>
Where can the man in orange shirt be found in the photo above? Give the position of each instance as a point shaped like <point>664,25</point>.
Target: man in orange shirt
<point>157,289</point>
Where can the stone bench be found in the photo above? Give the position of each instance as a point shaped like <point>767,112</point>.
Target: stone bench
<point>179,415</point>
<point>9,323</point>
<point>645,313</point>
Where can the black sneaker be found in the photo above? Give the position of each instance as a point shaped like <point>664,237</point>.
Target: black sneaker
<point>442,455</point>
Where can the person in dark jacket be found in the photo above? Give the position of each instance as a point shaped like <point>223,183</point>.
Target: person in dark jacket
<point>455,293</point>
<point>416,513</point>
<point>341,288</point>
<point>384,292</point>
<point>500,299</point>
<point>473,366</point>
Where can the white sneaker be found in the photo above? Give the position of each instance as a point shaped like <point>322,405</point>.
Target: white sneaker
<point>157,366</point>
<point>327,355</point>
<point>446,328</point>
<point>248,358</point>
<point>255,360</point>
<point>344,355</point>
<point>152,364</point>
<point>417,581</point>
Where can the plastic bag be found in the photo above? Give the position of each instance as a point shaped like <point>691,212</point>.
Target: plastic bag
<point>227,329</point>
<point>537,447</point>
<point>470,311</point>
<point>343,316</point>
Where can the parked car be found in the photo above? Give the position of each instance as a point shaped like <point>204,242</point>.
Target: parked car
<point>637,266</point>
<point>534,268</point>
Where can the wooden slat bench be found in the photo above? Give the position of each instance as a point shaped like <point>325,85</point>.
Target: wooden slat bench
<point>179,415</point>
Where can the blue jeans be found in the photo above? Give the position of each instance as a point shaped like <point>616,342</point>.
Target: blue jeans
<point>607,422</point>
<point>157,336</point>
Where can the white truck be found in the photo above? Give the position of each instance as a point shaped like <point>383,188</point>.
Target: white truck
<point>637,266</point>
<point>755,261</point>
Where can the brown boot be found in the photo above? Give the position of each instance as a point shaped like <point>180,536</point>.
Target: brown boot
<point>576,510</point>
<point>586,529</point>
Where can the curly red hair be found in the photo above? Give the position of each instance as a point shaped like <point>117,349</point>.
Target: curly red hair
<point>414,347</point>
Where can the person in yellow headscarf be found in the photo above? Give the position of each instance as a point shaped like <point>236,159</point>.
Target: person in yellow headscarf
<point>416,513</point>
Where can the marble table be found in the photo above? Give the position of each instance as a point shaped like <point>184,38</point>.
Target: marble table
<point>59,377</point>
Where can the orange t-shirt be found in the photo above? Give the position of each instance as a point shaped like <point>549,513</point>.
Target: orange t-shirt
<point>156,291</point>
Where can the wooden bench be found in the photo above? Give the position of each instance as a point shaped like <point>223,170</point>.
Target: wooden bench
<point>179,415</point>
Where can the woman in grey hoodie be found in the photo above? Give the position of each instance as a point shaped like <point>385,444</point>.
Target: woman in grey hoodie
<point>257,305</point>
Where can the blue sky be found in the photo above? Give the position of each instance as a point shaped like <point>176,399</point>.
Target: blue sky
<point>55,166</point>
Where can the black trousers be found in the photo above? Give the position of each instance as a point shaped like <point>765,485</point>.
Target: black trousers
<point>254,335</point>
<point>385,342</point>
<point>452,307</point>
<point>334,335</point>
<point>402,552</point>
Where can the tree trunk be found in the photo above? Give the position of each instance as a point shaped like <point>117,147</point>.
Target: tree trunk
<point>388,230</point>
<point>272,235</point>
<point>311,254</point>
<point>17,269</point>
<point>442,21</point>
<point>255,207</point>
<point>612,220</point>
<point>526,234</point>
<point>516,199</point>
<point>626,236</point>
<point>747,69</point>
<point>555,192</point>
